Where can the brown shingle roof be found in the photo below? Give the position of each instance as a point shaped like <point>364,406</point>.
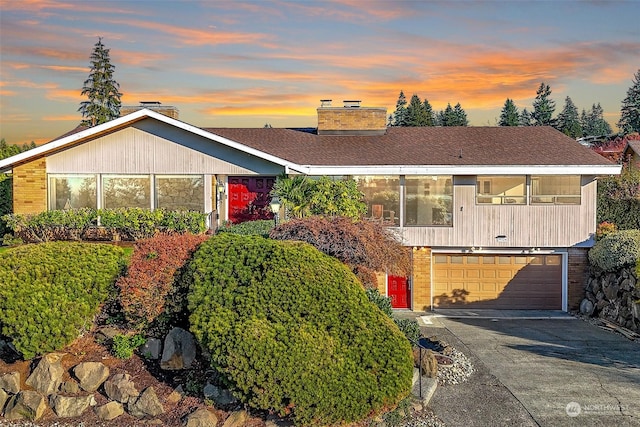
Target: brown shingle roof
<point>464,146</point>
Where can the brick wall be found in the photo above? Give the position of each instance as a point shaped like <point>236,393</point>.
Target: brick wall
<point>577,276</point>
<point>30,187</point>
<point>421,280</point>
<point>340,119</point>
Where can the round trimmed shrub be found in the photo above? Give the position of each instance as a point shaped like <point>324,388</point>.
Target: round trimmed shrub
<point>293,332</point>
<point>50,292</point>
<point>616,250</point>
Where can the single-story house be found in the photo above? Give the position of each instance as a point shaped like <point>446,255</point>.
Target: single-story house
<point>497,217</point>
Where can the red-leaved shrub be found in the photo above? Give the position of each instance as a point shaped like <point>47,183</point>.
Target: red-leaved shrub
<point>150,275</point>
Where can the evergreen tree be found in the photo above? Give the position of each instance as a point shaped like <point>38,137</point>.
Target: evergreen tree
<point>400,116</point>
<point>593,122</point>
<point>509,114</point>
<point>431,119</point>
<point>525,118</point>
<point>416,115</point>
<point>568,120</point>
<point>543,107</point>
<point>447,117</point>
<point>460,116</point>
<point>630,111</point>
<point>101,89</point>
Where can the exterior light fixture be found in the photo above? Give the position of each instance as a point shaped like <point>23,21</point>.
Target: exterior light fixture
<point>275,208</point>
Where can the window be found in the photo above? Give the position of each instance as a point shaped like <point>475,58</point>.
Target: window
<point>555,189</point>
<point>501,190</point>
<point>382,196</point>
<point>72,192</point>
<point>428,200</point>
<point>180,192</point>
<point>126,191</point>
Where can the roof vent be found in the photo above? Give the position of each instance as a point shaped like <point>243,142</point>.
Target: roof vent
<point>150,103</point>
<point>351,104</point>
<point>325,103</point>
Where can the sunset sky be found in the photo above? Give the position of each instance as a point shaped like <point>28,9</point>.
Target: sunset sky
<point>244,64</point>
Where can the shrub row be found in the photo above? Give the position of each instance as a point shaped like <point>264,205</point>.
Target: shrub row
<point>293,332</point>
<point>150,275</point>
<point>51,292</point>
<point>616,250</point>
<point>127,223</point>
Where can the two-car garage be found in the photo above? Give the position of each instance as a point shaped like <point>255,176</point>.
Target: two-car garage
<point>497,281</point>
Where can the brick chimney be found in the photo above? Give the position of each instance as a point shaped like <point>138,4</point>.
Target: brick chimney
<point>156,106</point>
<point>351,119</point>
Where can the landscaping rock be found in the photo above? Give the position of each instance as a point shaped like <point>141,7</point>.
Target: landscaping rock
<point>120,388</point>
<point>91,375</point>
<point>110,411</point>
<point>179,350</point>
<point>587,307</point>
<point>236,419</point>
<point>174,397</point>
<point>152,349</point>
<point>222,397</point>
<point>71,406</point>
<point>147,404</point>
<point>107,333</point>
<point>10,382</point>
<point>70,387</point>
<point>429,362</point>
<point>8,352</point>
<point>47,376</point>
<point>201,418</point>
<point>4,397</point>
<point>27,404</point>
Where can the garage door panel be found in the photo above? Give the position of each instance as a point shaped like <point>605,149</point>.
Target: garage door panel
<point>499,281</point>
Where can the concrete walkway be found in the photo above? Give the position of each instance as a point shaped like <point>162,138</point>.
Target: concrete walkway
<point>546,371</point>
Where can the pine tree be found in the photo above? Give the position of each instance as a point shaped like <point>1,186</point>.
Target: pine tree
<point>568,120</point>
<point>400,117</point>
<point>509,114</point>
<point>416,115</point>
<point>543,107</point>
<point>101,89</point>
<point>593,122</point>
<point>630,111</point>
<point>460,116</point>
<point>431,119</point>
<point>525,118</point>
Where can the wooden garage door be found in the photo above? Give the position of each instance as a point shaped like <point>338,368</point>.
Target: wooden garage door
<point>497,281</point>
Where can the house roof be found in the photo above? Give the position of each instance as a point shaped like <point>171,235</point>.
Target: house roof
<point>402,150</point>
<point>633,145</point>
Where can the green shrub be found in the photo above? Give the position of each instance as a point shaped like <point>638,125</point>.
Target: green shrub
<point>619,199</point>
<point>383,302</point>
<point>408,327</point>
<point>261,227</point>
<point>123,346</point>
<point>616,250</point>
<point>150,275</point>
<point>293,332</point>
<point>50,292</point>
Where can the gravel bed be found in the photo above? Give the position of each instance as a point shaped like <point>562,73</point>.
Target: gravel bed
<point>459,371</point>
<point>425,418</point>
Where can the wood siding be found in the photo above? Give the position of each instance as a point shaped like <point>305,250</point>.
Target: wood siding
<point>151,147</point>
<point>522,225</point>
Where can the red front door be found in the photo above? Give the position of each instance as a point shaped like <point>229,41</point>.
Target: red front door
<point>399,291</point>
<point>249,198</point>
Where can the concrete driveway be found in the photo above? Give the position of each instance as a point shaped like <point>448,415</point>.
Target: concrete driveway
<point>555,371</point>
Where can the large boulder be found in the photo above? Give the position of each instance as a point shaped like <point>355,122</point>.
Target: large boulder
<point>27,404</point>
<point>201,418</point>
<point>71,406</point>
<point>109,411</point>
<point>91,375</point>
<point>10,382</point>
<point>236,419</point>
<point>4,397</point>
<point>47,376</point>
<point>221,396</point>
<point>147,404</point>
<point>179,350</point>
<point>120,388</point>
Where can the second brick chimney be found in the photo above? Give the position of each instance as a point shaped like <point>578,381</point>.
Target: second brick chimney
<point>351,119</point>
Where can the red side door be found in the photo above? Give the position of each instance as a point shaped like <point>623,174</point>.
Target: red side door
<point>399,291</point>
<point>249,198</point>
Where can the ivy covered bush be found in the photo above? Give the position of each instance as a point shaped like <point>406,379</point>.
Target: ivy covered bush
<point>50,292</point>
<point>616,250</point>
<point>292,331</point>
<point>151,273</point>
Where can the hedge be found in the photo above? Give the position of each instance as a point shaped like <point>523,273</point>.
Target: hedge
<point>292,331</point>
<point>616,250</point>
<point>261,227</point>
<point>50,292</point>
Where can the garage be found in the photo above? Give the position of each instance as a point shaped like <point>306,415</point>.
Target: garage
<point>497,281</point>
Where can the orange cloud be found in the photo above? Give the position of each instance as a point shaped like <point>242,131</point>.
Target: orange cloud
<point>65,118</point>
<point>65,68</point>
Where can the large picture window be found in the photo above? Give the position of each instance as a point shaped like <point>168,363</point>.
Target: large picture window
<point>180,192</point>
<point>555,189</point>
<point>382,196</point>
<point>501,190</point>
<point>72,192</point>
<point>126,191</point>
<point>428,200</point>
